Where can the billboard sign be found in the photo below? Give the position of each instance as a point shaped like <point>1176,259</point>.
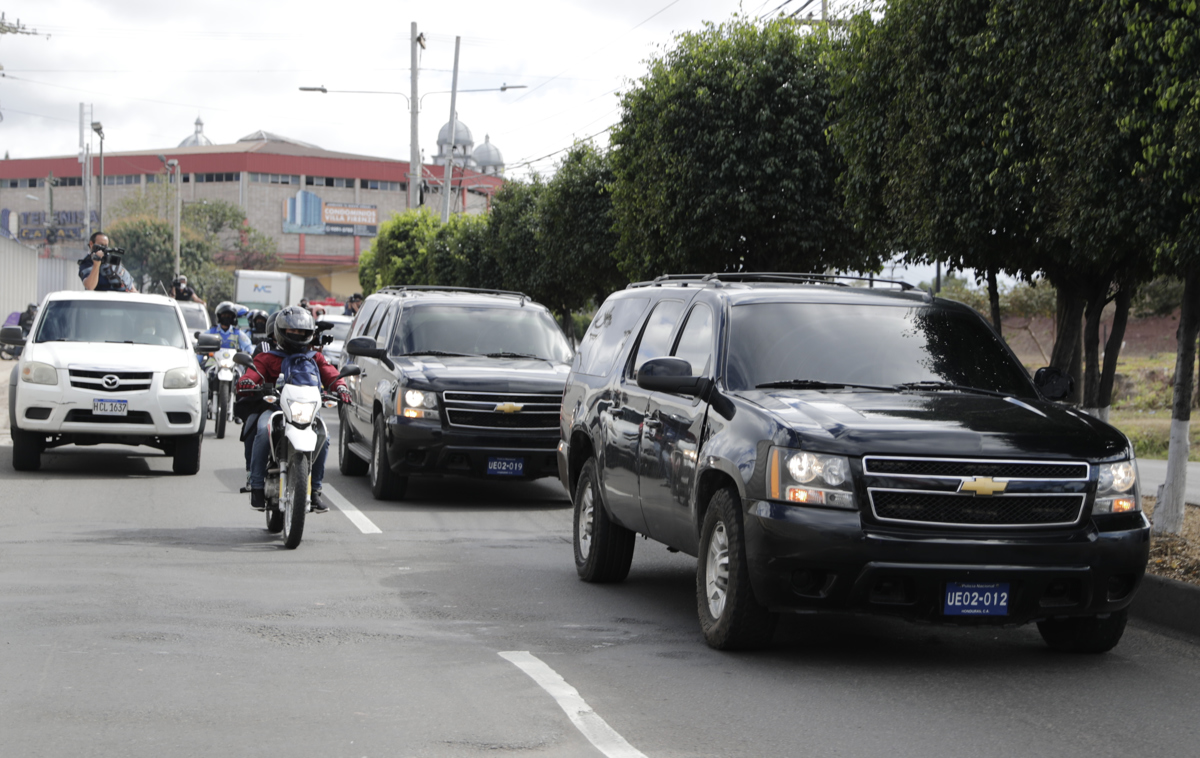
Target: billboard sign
<point>307,213</point>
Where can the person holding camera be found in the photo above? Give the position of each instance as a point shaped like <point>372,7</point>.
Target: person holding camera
<point>101,268</point>
<point>181,291</point>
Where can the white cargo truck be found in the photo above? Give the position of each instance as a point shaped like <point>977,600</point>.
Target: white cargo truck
<point>268,290</point>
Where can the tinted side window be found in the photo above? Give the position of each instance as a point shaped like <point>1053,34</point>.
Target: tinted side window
<point>656,336</point>
<point>600,346</point>
<point>383,329</point>
<point>695,341</point>
<point>363,321</point>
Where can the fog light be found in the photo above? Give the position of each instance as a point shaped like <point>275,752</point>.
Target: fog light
<point>413,413</point>
<point>1123,505</point>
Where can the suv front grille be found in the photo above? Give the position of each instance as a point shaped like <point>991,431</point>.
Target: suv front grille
<point>908,491</point>
<point>997,510</point>
<point>111,381</point>
<point>494,410</point>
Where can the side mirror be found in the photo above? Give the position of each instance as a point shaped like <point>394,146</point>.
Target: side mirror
<point>670,375</point>
<point>350,370</point>
<point>196,334</point>
<point>367,348</point>
<point>1053,383</point>
<point>12,335</point>
<point>243,359</point>
<point>208,343</point>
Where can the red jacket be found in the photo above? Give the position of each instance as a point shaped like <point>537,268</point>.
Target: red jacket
<point>266,370</point>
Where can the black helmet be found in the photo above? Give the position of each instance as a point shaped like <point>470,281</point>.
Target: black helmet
<point>257,319</point>
<point>227,308</point>
<point>32,307</point>
<point>270,330</point>
<point>294,318</point>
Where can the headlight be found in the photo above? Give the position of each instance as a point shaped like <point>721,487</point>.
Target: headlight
<point>39,373</point>
<point>302,413</point>
<point>181,378</point>
<point>418,404</point>
<point>803,478</point>
<point>1116,488</point>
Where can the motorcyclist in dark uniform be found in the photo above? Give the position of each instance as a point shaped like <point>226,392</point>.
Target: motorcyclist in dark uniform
<point>25,321</point>
<point>256,325</point>
<point>295,331</point>
<point>249,407</point>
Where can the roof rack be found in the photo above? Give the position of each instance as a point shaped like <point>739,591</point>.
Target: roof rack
<point>400,288</point>
<point>717,279</point>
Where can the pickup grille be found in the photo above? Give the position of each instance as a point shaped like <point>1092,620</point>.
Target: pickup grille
<point>493,410</point>
<point>938,491</point>
<point>111,381</point>
<point>87,417</point>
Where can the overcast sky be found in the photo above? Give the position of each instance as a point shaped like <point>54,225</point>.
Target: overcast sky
<point>150,67</point>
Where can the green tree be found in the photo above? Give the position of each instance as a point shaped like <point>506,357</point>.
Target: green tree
<point>512,241</point>
<point>720,158</point>
<point>399,253</point>
<point>150,252</point>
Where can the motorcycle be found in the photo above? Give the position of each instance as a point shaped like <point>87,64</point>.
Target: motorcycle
<point>297,432</point>
<point>223,373</point>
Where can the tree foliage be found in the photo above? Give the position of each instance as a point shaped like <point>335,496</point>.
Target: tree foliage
<point>720,158</point>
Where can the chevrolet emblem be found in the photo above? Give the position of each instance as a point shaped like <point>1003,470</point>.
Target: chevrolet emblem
<point>509,407</point>
<point>983,485</point>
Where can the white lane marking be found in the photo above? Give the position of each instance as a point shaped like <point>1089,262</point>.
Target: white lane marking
<point>596,729</point>
<point>356,516</point>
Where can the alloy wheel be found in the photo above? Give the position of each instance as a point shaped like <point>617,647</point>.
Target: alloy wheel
<point>716,570</point>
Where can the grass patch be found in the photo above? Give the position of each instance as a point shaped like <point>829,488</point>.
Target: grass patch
<point>1150,432</point>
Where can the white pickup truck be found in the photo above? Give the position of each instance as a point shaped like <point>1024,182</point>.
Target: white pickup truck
<point>103,367</point>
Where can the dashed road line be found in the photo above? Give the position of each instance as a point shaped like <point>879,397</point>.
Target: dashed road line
<point>596,729</point>
<point>364,524</point>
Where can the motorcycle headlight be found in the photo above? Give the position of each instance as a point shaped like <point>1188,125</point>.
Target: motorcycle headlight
<point>181,378</point>
<point>417,404</point>
<point>302,413</point>
<point>39,373</point>
<point>1117,488</point>
<point>803,478</point>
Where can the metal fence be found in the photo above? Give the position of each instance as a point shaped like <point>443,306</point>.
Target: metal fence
<point>54,274</point>
<point>18,277</point>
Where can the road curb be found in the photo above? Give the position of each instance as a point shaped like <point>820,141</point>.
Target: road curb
<point>1169,603</point>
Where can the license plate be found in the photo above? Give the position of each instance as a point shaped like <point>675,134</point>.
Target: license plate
<point>110,407</point>
<point>506,467</point>
<point>976,599</point>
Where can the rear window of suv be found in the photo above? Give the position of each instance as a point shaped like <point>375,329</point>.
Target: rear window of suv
<point>859,344</point>
<point>480,330</point>
<point>111,321</point>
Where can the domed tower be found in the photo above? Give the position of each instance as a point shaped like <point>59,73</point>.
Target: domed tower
<point>197,139</point>
<point>464,144</point>
<point>489,158</point>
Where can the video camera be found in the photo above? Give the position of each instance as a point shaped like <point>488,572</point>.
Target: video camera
<point>112,255</point>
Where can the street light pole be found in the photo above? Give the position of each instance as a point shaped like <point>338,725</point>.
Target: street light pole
<point>173,171</point>
<point>98,128</point>
<point>416,171</point>
<point>453,136</point>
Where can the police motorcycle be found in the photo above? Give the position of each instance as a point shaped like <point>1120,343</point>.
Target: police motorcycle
<point>223,374</point>
<point>297,432</point>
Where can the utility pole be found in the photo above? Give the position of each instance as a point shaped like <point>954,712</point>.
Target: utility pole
<point>178,210</point>
<point>85,158</point>
<point>453,136</point>
<point>416,171</point>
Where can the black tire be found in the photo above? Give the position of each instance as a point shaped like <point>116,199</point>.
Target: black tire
<point>730,616</point>
<point>186,458</point>
<point>603,548</point>
<point>295,500</point>
<point>27,450</point>
<point>1084,634</point>
<point>348,463</point>
<point>222,409</point>
<point>385,484</point>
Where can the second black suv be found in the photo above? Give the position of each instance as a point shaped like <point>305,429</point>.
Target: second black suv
<point>822,447</point>
<point>454,381</point>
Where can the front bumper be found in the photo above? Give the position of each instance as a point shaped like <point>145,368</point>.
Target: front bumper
<point>809,559</point>
<point>67,411</point>
<point>426,447</point>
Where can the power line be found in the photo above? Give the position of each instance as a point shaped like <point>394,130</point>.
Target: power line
<point>556,152</point>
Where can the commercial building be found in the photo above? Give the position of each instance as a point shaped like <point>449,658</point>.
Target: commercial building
<point>323,208</point>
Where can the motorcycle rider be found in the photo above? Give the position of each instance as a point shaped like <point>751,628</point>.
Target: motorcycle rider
<point>295,331</point>
<point>256,324</point>
<point>226,328</point>
<point>247,409</point>
<point>25,321</point>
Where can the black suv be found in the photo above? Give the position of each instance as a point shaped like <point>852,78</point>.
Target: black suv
<point>825,447</point>
<point>454,381</point>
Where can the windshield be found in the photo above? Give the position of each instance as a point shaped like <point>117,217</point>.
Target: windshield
<point>481,330</point>
<point>870,345</point>
<point>339,331</point>
<point>112,320</point>
<point>194,317</point>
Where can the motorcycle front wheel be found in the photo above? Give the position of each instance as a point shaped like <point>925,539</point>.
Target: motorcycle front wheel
<point>295,499</point>
<point>222,409</point>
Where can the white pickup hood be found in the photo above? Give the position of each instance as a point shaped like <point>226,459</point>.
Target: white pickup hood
<point>115,356</point>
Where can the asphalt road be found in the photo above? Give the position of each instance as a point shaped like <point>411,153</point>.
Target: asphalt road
<point>144,614</point>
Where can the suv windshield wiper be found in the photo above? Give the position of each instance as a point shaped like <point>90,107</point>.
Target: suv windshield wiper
<point>513,355</point>
<point>441,352</point>
<point>816,384</point>
<point>934,386</point>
